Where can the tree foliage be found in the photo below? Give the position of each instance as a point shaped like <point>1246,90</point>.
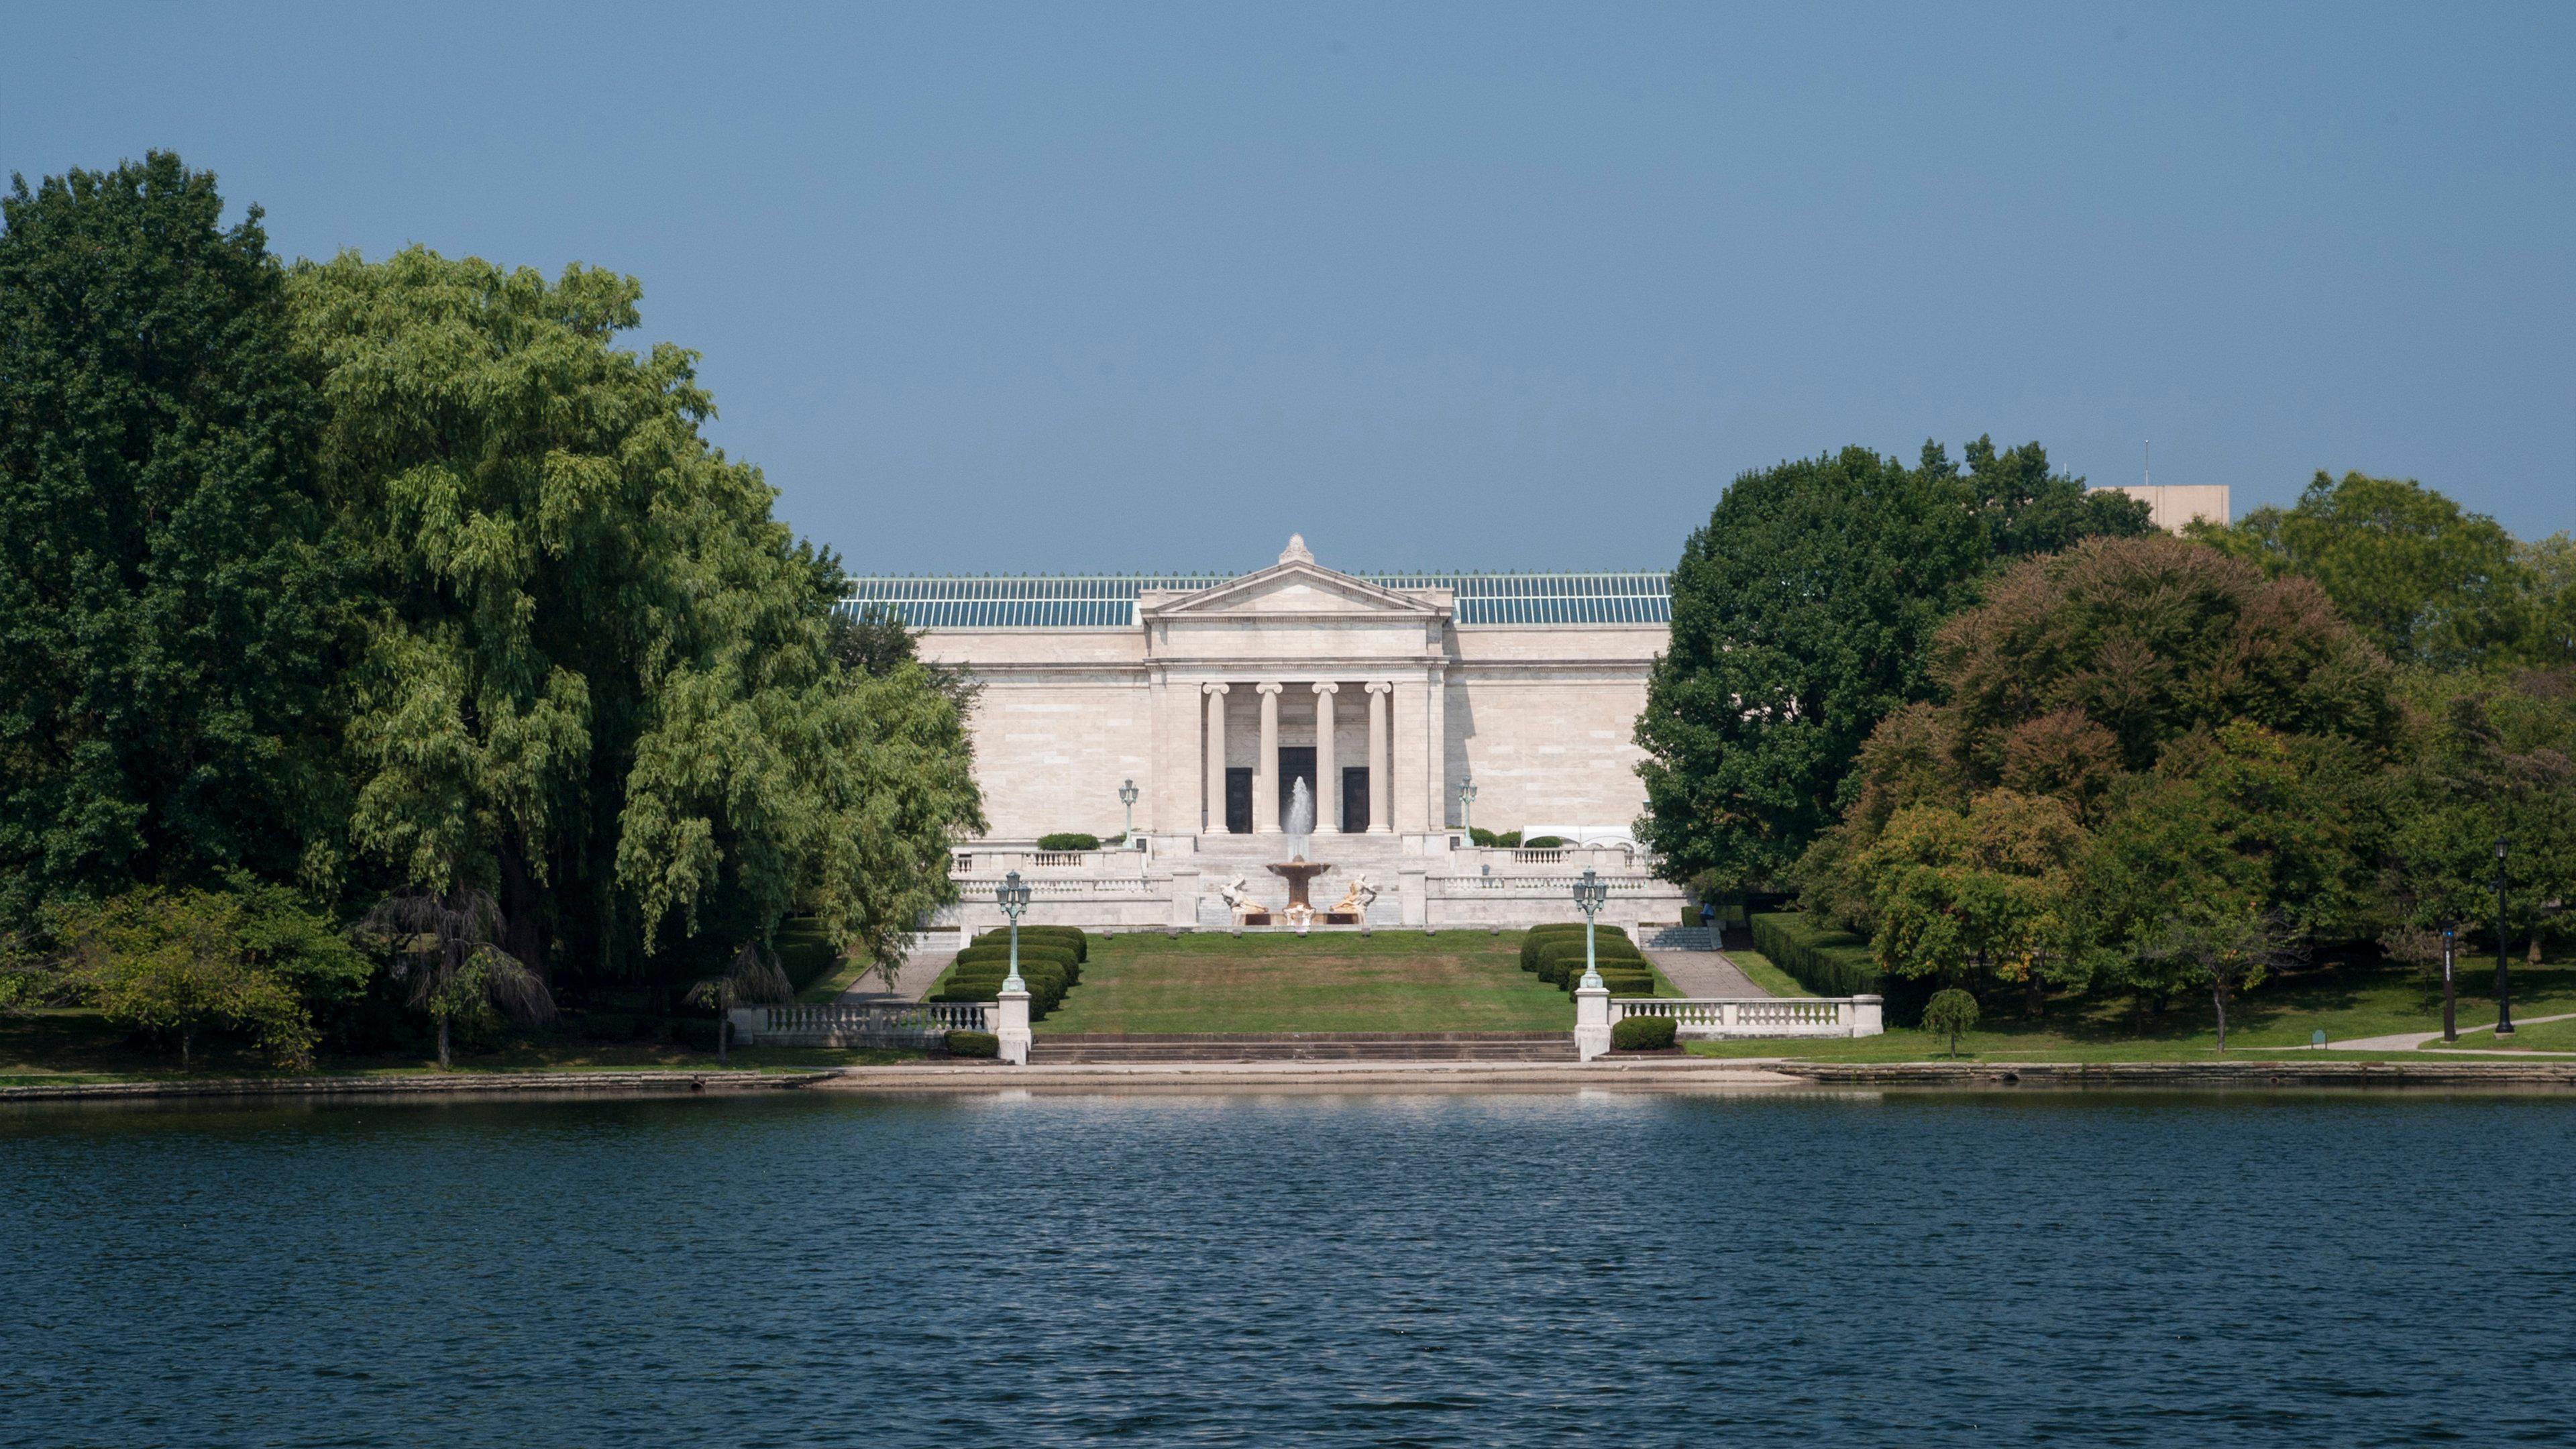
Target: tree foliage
<point>2199,733</point>
<point>2427,581</point>
<point>171,603</point>
<point>601,683</point>
<point>1803,614</point>
<point>251,959</point>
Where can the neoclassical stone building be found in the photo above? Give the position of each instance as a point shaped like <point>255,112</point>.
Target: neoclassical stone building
<point>1386,694</point>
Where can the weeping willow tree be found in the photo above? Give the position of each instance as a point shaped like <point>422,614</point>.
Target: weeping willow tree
<point>598,681</point>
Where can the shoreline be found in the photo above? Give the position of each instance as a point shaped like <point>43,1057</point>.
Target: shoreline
<point>1633,1074</point>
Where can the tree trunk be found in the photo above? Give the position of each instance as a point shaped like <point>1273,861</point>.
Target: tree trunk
<point>2037,999</point>
<point>2531,952</point>
<point>442,1043</point>
<point>724,1030</point>
<point>520,911</point>
<point>2218,998</point>
<point>187,1045</point>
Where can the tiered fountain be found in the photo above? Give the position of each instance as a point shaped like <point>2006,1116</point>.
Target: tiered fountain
<point>1296,869</point>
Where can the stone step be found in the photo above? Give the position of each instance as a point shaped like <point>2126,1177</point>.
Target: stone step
<point>1681,938</point>
<point>1308,1047</point>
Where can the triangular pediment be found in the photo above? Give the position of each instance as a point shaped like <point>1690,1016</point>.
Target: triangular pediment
<point>1294,588</point>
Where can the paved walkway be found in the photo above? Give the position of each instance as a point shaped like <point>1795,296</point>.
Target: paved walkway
<point>2407,1041</point>
<point>1705,973</point>
<point>912,981</point>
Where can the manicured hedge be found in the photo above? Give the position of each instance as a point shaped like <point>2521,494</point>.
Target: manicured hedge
<point>1071,936</point>
<point>1607,940</point>
<point>1642,1034</point>
<point>1618,981</point>
<point>1055,955</point>
<point>1069,840</point>
<point>1825,961</point>
<point>985,1044</point>
<point>1560,957</point>
<point>982,981</point>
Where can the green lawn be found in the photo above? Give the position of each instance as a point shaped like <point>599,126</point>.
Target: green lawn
<point>2344,1002</point>
<point>2548,1036</point>
<point>1385,981</point>
<point>1765,975</point>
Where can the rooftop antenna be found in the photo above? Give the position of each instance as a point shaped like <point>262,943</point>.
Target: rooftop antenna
<point>2147,474</point>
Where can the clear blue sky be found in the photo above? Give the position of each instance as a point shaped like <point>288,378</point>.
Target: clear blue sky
<point>1065,288</point>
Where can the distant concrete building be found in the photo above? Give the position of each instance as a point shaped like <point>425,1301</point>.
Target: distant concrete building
<point>1211,697</point>
<point>2171,505</point>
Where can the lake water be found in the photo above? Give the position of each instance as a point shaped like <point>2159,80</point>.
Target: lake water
<point>1775,1269</point>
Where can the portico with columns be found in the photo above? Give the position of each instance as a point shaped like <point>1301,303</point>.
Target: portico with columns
<point>1213,694</point>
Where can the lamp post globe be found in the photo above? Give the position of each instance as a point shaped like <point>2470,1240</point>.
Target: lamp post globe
<point>2504,981</point>
<point>1467,804</point>
<point>1012,895</point>
<point>1590,893</point>
<point>1128,795</point>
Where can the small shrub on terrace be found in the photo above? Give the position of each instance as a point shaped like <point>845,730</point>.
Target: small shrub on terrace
<point>977,1044</point>
<point>1642,1034</point>
<point>1069,840</point>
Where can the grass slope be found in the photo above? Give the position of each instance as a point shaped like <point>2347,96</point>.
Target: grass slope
<point>1758,969</point>
<point>2344,1002</point>
<point>1386,981</point>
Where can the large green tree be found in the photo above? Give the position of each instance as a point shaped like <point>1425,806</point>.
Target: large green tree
<point>600,685</point>
<point>170,602</point>
<point>2427,581</point>
<point>1803,614</point>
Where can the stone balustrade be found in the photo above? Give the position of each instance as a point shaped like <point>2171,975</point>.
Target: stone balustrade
<point>857,1024</point>
<point>1711,1018</point>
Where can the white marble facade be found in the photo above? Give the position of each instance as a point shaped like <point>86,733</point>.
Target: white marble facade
<point>1301,668</point>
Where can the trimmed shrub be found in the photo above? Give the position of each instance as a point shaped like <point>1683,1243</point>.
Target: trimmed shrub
<point>1029,951</point>
<point>1618,982</point>
<point>1836,963</point>
<point>1494,840</point>
<point>1544,842</point>
<point>1825,961</point>
<point>985,1044</point>
<point>1642,1034</point>
<point>1559,958</point>
<point>1072,937</point>
<point>1069,840</point>
<point>1540,939</point>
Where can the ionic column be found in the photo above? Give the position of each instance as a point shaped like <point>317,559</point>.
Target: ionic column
<point>1215,757</point>
<point>1265,768</point>
<point>1381,765</point>
<point>1328,778</point>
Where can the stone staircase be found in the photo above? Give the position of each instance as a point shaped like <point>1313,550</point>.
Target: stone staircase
<point>1322,1046</point>
<point>1681,938</point>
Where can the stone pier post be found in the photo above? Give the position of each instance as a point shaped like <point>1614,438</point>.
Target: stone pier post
<point>1591,1021</point>
<point>1011,1025</point>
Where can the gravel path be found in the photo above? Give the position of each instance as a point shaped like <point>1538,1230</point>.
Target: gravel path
<point>1704,973</point>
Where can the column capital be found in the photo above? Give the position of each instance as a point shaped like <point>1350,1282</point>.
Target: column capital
<point>1327,687</point>
<point>1269,686</point>
<point>1215,688</point>
<point>1381,686</point>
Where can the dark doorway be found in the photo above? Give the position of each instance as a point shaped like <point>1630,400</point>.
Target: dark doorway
<point>1355,799</point>
<point>1238,801</point>
<point>1297,762</point>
